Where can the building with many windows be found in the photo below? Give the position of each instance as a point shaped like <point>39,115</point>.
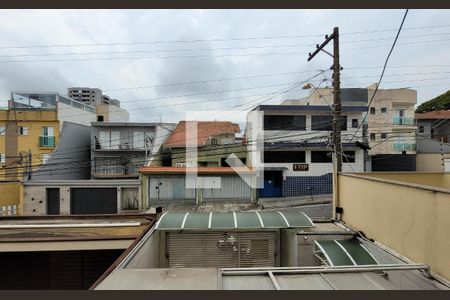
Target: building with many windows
<point>293,147</point>
<point>119,149</point>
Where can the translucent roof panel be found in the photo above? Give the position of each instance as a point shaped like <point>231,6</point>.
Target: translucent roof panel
<point>248,220</point>
<point>196,220</point>
<point>273,219</point>
<point>225,220</point>
<point>334,253</point>
<point>172,220</point>
<point>345,252</point>
<point>232,220</point>
<point>359,254</point>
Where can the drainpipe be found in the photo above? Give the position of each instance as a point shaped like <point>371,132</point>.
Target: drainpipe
<point>335,188</point>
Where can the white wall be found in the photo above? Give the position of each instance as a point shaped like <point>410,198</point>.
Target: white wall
<point>74,115</point>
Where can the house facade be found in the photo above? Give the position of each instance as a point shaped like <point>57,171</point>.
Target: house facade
<point>118,149</point>
<point>296,155</point>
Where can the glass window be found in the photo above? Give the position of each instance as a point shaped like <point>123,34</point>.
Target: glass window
<point>138,139</point>
<point>109,139</point>
<point>372,136</point>
<point>281,122</point>
<point>23,130</point>
<point>213,141</point>
<point>321,156</point>
<point>384,135</point>
<point>325,123</point>
<point>47,131</point>
<point>2,157</point>
<point>349,156</point>
<point>383,109</point>
<point>355,123</point>
<point>284,156</point>
<point>2,130</point>
<point>421,129</point>
<point>372,110</point>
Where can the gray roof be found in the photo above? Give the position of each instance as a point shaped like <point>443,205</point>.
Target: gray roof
<point>306,278</point>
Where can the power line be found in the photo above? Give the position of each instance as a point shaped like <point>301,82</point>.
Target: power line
<point>384,68</point>
<point>209,40</point>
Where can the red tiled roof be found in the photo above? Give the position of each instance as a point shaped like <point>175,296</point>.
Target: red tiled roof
<point>205,130</point>
<point>438,114</point>
<point>200,170</point>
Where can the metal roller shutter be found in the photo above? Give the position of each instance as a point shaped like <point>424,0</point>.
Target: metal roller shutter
<point>221,249</point>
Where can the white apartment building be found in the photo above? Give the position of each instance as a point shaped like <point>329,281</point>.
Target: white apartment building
<point>296,155</point>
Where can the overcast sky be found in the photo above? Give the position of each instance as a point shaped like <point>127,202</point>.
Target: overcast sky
<point>148,59</point>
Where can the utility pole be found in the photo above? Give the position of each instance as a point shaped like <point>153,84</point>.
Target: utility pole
<point>336,92</point>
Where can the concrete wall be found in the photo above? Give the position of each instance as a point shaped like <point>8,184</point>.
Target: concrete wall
<point>75,115</point>
<point>436,179</point>
<point>149,254</point>
<point>35,194</point>
<point>408,218</point>
<point>10,193</point>
<point>430,162</point>
<point>112,113</point>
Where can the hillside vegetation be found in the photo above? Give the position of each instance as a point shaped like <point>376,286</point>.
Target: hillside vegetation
<point>441,102</point>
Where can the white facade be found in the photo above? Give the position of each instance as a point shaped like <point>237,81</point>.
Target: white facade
<point>298,161</point>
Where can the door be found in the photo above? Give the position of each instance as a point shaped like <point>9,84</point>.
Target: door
<point>52,201</point>
<point>273,182</point>
<point>93,201</point>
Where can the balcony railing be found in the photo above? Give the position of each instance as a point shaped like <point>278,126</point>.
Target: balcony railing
<point>116,170</point>
<point>404,147</point>
<point>403,121</point>
<point>46,141</point>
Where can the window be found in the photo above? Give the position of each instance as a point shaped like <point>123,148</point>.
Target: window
<point>138,140</point>
<point>99,118</point>
<point>321,123</point>
<point>109,139</point>
<point>297,122</point>
<point>421,129</point>
<point>2,130</point>
<point>355,123</point>
<point>372,136</point>
<point>2,157</point>
<point>325,123</point>
<point>349,156</point>
<point>45,157</point>
<point>213,141</point>
<point>383,110</point>
<point>47,131</point>
<point>384,135</point>
<point>22,130</point>
<point>321,157</point>
<point>372,110</point>
<point>284,156</point>
<point>223,162</point>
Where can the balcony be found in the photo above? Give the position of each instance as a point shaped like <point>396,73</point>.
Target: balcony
<point>404,147</point>
<point>47,141</point>
<point>403,121</point>
<point>130,170</point>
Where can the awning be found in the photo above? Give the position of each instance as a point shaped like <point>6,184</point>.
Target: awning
<point>233,220</point>
<point>343,253</point>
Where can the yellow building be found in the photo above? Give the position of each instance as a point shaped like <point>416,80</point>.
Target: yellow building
<point>27,138</point>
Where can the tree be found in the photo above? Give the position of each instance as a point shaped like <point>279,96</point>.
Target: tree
<point>441,102</point>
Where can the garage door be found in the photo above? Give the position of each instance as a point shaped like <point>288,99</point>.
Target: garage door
<point>221,249</point>
<point>93,201</point>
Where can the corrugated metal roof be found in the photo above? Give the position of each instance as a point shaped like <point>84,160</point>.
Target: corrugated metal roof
<point>233,220</point>
<point>308,278</point>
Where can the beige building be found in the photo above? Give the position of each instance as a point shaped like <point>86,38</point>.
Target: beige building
<point>391,124</point>
<point>392,128</point>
